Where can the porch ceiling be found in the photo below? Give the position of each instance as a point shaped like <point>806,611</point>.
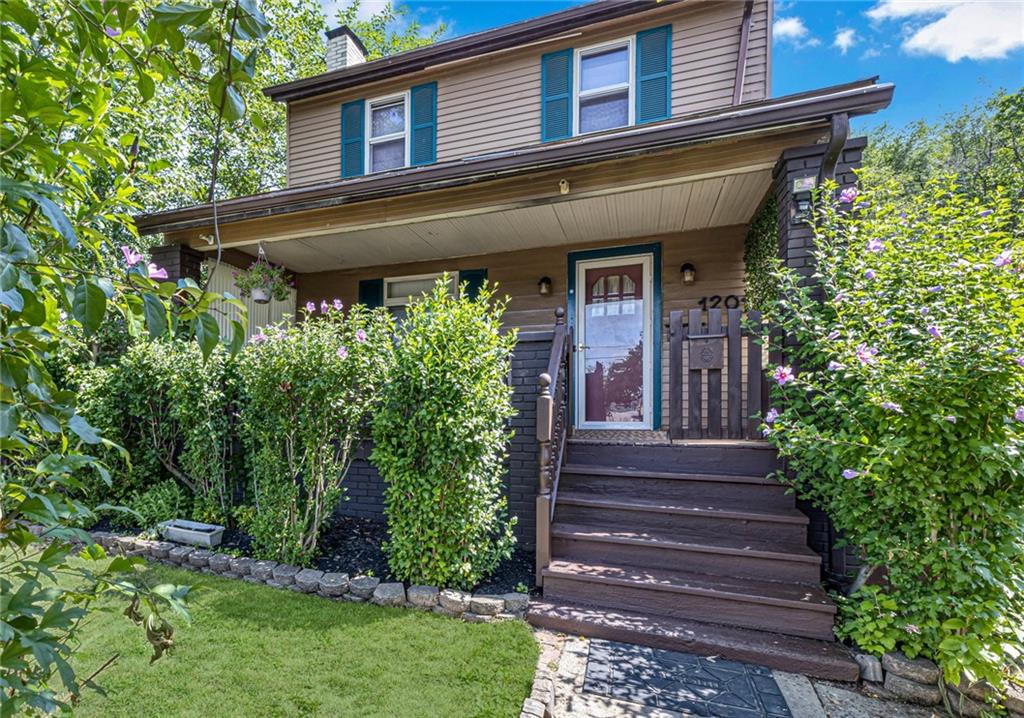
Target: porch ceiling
<point>712,201</point>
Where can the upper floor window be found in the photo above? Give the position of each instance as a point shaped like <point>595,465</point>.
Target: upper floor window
<point>604,99</point>
<point>387,132</point>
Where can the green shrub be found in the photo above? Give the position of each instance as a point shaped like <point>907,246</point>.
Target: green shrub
<point>440,441</point>
<point>160,502</point>
<point>171,410</point>
<point>760,256</point>
<point>905,420</point>
<point>309,389</point>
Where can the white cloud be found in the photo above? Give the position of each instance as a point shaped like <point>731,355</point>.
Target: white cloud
<point>956,29</point>
<point>846,38</point>
<point>871,52</point>
<point>793,31</point>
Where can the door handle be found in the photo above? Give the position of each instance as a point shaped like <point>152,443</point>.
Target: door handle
<point>581,347</point>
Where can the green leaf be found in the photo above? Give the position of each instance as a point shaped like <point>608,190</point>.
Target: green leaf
<point>85,432</point>
<point>14,245</point>
<point>156,315</point>
<point>89,305</point>
<point>56,217</point>
<point>178,14</point>
<point>207,334</point>
<point>237,337</point>
<point>10,416</point>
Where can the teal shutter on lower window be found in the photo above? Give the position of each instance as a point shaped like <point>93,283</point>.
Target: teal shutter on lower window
<point>353,127</point>
<point>556,95</point>
<point>371,292</point>
<point>654,74</point>
<point>474,280</point>
<point>423,115</point>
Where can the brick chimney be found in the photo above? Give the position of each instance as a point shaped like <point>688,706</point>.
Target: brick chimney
<point>344,49</point>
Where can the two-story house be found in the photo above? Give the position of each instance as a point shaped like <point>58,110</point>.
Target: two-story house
<point>608,160</point>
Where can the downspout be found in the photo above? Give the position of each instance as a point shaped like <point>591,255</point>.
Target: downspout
<point>838,135</point>
<point>741,59</point>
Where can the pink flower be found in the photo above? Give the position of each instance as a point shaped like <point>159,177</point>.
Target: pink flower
<point>337,304</point>
<point>310,307</point>
<point>875,245</point>
<point>1019,414</point>
<point>360,335</point>
<point>111,32</point>
<point>934,331</point>
<point>130,255</point>
<point>835,366</point>
<point>951,419</point>
<point>156,272</point>
<point>850,474</point>
<point>866,354</point>
<point>869,274</point>
<point>783,375</point>
<point>771,416</point>
<point>911,628</point>
<point>1020,361</point>
<point>324,306</point>
<point>342,352</point>
<point>258,338</point>
<point>848,195</point>
<point>833,335</point>
<point>1003,259</point>
<point>892,406</point>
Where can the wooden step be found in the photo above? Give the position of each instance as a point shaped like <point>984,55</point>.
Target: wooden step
<point>746,458</point>
<point>725,555</point>
<point>787,608</point>
<point>752,490</point>
<point>820,659</point>
<point>733,517</point>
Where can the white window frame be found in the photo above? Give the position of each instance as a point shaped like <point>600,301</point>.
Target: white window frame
<point>404,301</point>
<point>370,140</point>
<point>629,85</point>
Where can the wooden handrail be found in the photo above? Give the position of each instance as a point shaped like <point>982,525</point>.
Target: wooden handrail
<point>552,429</point>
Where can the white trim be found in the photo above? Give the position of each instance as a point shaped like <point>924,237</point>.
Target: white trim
<point>629,85</point>
<point>404,301</point>
<point>369,140</point>
<point>645,259</point>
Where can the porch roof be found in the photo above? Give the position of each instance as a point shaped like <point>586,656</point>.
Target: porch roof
<point>809,111</point>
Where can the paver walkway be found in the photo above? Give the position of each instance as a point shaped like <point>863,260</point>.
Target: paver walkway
<point>606,679</point>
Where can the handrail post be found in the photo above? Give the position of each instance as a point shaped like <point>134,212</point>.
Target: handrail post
<point>545,406</point>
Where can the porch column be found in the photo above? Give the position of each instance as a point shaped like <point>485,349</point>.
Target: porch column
<point>180,261</point>
<point>796,239</point>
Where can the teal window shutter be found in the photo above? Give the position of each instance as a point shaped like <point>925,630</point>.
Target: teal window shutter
<point>654,74</point>
<point>474,280</point>
<point>556,95</point>
<point>371,292</point>
<point>423,114</point>
<point>353,127</point>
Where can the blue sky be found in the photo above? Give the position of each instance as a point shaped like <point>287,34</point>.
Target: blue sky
<point>942,54</point>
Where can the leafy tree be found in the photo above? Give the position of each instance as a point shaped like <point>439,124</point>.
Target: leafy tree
<point>70,174</point>
<point>981,145</point>
<point>904,418</point>
<point>389,31</point>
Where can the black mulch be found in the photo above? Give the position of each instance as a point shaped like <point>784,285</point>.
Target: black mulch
<point>355,546</point>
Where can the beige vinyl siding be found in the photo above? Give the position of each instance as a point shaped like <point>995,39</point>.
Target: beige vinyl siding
<point>492,104</point>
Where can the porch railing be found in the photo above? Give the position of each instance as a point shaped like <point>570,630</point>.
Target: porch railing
<point>552,428</point>
<point>699,351</point>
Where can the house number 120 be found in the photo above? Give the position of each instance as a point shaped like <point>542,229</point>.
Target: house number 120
<point>732,301</point>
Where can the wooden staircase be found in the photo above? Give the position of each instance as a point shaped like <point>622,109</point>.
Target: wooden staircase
<point>688,547</point>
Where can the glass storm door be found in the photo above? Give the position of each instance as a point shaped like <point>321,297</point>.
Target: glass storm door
<point>613,353</point>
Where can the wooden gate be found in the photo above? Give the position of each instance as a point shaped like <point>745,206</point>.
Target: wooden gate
<point>698,354</point>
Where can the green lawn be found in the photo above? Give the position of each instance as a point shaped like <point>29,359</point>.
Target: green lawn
<point>256,651</point>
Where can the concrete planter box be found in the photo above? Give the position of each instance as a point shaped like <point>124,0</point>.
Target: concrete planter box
<point>192,532</point>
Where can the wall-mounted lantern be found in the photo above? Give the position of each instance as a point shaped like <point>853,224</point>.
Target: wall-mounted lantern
<point>544,286</point>
<point>688,273</point>
<point>803,186</point>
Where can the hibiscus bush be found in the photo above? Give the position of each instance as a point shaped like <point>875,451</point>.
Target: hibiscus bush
<point>308,392</point>
<point>441,439</point>
<point>901,414</point>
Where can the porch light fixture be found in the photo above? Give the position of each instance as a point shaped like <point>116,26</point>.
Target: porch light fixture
<point>803,186</point>
<point>563,186</point>
<point>544,286</point>
<point>688,273</point>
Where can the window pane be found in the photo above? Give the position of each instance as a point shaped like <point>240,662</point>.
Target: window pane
<point>602,69</point>
<point>604,112</point>
<point>387,155</point>
<point>388,119</point>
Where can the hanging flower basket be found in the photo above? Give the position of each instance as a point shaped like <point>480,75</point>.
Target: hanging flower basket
<point>262,281</point>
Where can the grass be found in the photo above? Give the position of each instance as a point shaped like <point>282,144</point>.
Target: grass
<point>256,651</point>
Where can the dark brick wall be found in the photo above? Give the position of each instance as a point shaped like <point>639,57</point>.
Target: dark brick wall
<point>179,260</point>
<point>795,242</point>
<point>364,488</point>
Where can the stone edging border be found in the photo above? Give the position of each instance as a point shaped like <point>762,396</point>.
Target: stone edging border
<point>474,608</point>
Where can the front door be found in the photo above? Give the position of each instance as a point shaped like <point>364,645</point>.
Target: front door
<point>614,367</point>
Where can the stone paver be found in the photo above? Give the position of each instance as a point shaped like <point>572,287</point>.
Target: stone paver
<point>845,703</point>
<point>363,586</point>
